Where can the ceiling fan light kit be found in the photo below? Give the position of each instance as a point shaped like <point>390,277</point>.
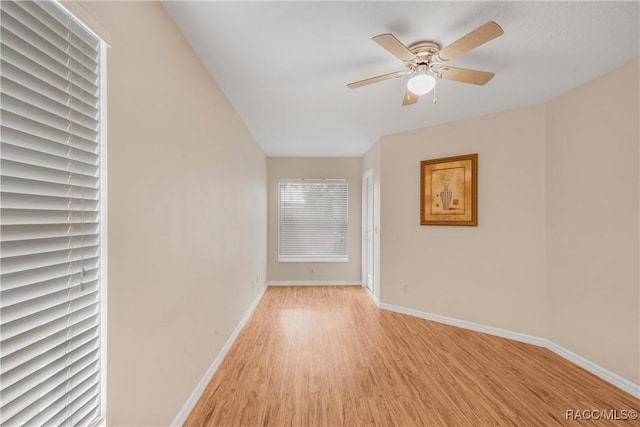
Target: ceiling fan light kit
<point>422,82</point>
<point>423,60</point>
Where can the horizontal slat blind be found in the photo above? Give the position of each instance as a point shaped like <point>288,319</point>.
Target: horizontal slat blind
<point>49,217</point>
<point>313,220</point>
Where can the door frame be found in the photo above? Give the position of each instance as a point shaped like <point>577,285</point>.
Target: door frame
<point>367,231</point>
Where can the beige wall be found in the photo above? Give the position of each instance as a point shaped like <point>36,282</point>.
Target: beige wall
<point>316,167</point>
<point>491,274</point>
<point>592,221</point>
<point>187,215</point>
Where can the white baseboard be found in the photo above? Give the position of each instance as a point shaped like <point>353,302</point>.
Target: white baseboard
<point>314,283</point>
<point>204,381</point>
<point>597,370</point>
<point>373,297</point>
<point>516,336</point>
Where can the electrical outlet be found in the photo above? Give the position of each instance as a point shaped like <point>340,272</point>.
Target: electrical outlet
<point>406,289</point>
<point>312,270</point>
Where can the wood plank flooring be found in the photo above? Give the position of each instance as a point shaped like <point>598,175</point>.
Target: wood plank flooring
<point>327,356</point>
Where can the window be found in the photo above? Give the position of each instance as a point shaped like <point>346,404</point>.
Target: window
<point>313,220</point>
<point>51,251</point>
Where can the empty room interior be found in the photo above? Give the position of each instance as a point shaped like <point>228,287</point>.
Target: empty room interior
<point>320,213</point>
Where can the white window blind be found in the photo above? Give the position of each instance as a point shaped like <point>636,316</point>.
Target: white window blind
<point>313,220</point>
<point>50,367</point>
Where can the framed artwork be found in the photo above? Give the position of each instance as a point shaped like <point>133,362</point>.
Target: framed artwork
<point>449,191</point>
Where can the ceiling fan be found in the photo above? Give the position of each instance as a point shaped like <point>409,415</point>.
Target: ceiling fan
<point>423,60</point>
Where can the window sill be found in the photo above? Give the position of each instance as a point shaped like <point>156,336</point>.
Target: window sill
<point>295,259</point>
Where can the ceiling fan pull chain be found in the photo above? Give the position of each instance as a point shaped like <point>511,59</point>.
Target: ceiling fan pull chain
<point>434,94</point>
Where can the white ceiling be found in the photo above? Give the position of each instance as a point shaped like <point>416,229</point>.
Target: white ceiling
<point>284,65</point>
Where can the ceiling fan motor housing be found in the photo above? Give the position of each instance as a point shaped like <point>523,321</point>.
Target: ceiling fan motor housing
<point>425,52</point>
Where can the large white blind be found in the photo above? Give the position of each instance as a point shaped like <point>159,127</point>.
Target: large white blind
<point>50,368</point>
<point>313,220</point>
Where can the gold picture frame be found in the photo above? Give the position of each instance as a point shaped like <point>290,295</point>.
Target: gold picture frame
<point>449,191</point>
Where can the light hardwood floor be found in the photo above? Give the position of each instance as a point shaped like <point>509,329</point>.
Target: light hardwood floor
<point>327,356</point>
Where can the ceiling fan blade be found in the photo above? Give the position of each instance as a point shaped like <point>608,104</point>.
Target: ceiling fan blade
<point>409,98</point>
<point>394,46</point>
<point>475,38</point>
<point>376,79</point>
<point>464,75</point>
